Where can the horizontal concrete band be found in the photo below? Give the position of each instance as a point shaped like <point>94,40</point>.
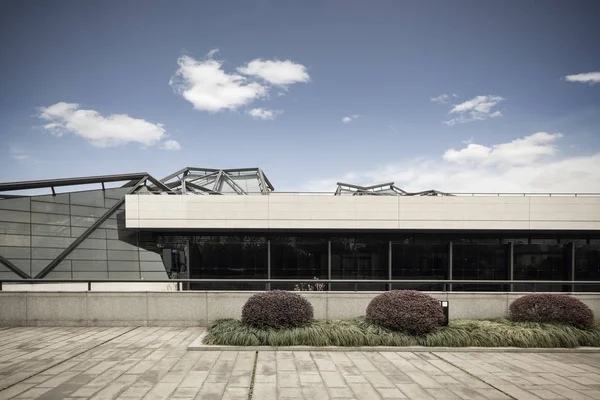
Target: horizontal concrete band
<point>362,212</point>
<point>203,307</point>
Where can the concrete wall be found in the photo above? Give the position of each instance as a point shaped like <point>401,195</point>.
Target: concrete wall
<point>287,211</point>
<point>202,308</point>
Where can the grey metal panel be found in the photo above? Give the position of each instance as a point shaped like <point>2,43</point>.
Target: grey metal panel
<point>99,233</point>
<point>50,230</point>
<point>49,208</point>
<point>87,254</point>
<point>123,274</point>
<point>15,252</point>
<point>15,216</point>
<point>152,266</point>
<point>94,198</point>
<point>18,204</point>
<point>22,265</point>
<point>120,245</point>
<point>87,211</point>
<point>69,181</point>
<point>14,228</point>
<point>88,265</point>
<point>154,275</point>
<point>93,244</point>
<point>123,266</point>
<point>61,198</point>
<point>59,275</point>
<point>90,274</point>
<point>44,253</point>
<point>15,240</point>
<point>51,219</point>
<point>123,255</point>
<point>84,222</point>
<point>149,256</point>
<point>49,241</point>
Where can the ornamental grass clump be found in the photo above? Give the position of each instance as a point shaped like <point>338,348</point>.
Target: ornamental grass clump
<point>409,311</point>
<point>551,308</point>
<point>277,309</point>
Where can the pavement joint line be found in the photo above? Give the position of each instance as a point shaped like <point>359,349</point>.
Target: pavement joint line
<point>473,376</point>
<point>67,359</point>
<point>251,390</point>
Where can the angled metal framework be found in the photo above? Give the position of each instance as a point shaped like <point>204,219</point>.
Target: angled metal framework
<point>189,180</point>
<point>202,181</point>
<point>382,189</point>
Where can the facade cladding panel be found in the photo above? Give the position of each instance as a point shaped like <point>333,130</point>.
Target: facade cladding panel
<point>389,234</point>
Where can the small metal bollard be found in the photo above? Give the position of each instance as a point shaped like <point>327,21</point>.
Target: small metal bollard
<point>445,308</point>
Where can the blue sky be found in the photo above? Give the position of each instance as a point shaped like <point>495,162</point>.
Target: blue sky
<point>510,120</point>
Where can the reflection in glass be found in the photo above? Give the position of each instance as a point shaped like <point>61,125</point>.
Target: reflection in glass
<point>419,261</point>
<point>587,266</point>
<point>359,258</point>
<point>540,262</point>
<point>298,257</point>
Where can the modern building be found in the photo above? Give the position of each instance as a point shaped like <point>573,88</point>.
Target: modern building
<point>211,223</point>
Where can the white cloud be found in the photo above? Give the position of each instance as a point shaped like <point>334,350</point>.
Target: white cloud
<point>101,131</point>
<point>589,77</point>
<point>211,53</point>
<point>280,73</point>
<point>171,145</point>
<point>350,118</point>
<point>521,151</point>
<point>477,109</point>
<point>19,154</point>
<point>209,88</point>
<point>442,99</point>
<point>262,113</point>
<point>528,164</point>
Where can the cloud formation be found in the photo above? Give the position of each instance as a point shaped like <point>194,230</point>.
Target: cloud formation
<point>350,118</point>
<point>442,98</point>
<point>206,85</point>
<point>101,131</point>
<point>528,164</point>
<point>171,145</point>
<point>263,113</point>
<point>477,109</point>
<point>589,77</point>
<point>280,73</point>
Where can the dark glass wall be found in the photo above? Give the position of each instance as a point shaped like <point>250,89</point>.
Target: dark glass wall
<point>480,261</point>
<point>228,257</point>
<point>359,258</point>
<point>541,262</point>
<point>419,261</point>
<point>298,257</point>
<point>587,266</point>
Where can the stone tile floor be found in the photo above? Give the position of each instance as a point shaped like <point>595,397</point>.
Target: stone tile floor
<point>152,363</point>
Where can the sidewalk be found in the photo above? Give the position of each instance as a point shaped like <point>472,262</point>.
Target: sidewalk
<point>152,363</point>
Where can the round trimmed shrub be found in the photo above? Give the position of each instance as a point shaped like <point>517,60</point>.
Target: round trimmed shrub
<point>553,308</point>
<point>277,309</point>
<point>406,310</point>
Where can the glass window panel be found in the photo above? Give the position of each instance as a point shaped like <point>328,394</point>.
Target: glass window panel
<point>479,261</point>
<point>160,275</point>
<point>83,266</point>
<point>45,254</point>
<point>49,208</point>
<point>37,266</point>
<point>15,216</point>
<point>84,211</point>
<point>298,257</point>
<point>52,219</point>
<point>540,262</point>
<point>62,198</point>
<point>90,274</point>
<point>14,227</point>
<point>359,258</point>
<point>587,266</point>
<point>220,257</point>
<point>516,241</point>
<point>15,240</point>
<point>96,234</point>
<point>152,266</point>
<point>98,244</point>
<point>58,275</point>
<point>419,261</point>
<point>8,274</point>
<point>150,256</point>
<point>49,241</point>
<point>117,193</point>
<point>64,266</point>
<point>23,265</point>
<point>109,203</point>
<point>123,275</point>
<point>15,252</point>
<point>18,204</point>
<point>85,222</point>
<point>120,245</point>
<point>50,230</point>
<point>113,234</point>
<point>86,254</point>
<point>123,255</point>
<point>94,198</point>
<point>544,241</point>
<point>123,266</point>
<point>111,223</point>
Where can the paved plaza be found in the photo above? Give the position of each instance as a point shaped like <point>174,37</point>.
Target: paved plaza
<point>153,363</point>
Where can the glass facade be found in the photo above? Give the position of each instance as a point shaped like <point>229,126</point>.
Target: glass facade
<point>35,230</point>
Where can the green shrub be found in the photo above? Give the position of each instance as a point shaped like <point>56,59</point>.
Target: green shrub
<point>406,310</point>
<point>551,308</point>
<point>277,309</point>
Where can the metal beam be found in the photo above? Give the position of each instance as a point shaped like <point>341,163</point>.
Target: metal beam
<point>14,268</point>
<point>54,263</point>
<point>69,181</point>
<point>217,181</point>
<point>201,188</point>
<point>174,174</point>
<point>159,184</point>
<point>234,185</point>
